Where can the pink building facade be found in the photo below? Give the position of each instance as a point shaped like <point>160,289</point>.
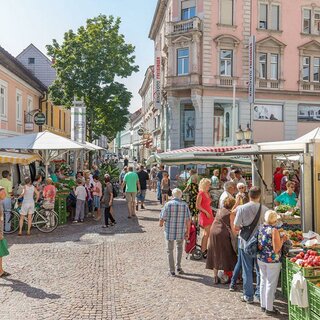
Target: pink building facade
<point>203,47</point>
<point>20,94</point>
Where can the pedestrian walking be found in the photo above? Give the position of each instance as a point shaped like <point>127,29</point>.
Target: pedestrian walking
<point>175,216</point>
<point>245,216</point>
<point>121,177</point>
<point>89,199</point>
<point>27,208</point>
<point>97,194</point>
<point>153,177</point>
<point>159,179</point>
<point>107,201</point>
<point>81,195</point>
<point>126,161</point>
<point>143,178</point>
<point>6,183</point>
<point>165,187</point>
<point>131,180</point>
<point>229,191</point>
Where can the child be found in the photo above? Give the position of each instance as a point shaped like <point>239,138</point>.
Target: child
<point>81,195</point>
<point>165,186</point>
<point>27,207</point>
<point>97,194</point>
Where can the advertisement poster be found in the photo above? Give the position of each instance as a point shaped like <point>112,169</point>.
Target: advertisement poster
<point>308,113</point>
<point>270,112</point>
<point>189,125</point>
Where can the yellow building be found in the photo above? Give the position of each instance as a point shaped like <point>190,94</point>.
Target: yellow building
<point>58,119</point>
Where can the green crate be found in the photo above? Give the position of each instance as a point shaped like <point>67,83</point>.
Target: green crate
<point>283,277</point>
<point>314,298</point>
<point>314,316</point>
<point>60,207</point>
<point>307,272</point>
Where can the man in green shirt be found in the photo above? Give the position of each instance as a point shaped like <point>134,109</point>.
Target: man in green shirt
<point>131,180</point>
<point>288,197</point>
<point>6,183</point>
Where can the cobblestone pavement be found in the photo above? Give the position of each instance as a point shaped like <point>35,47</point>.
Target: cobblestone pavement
<point>85,272</point>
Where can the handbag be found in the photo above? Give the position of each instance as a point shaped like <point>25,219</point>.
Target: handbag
<point>4,248</point>
<point>233,237</point>
<point>2,193</point>
<point>251,247</point>
<point>246,231</point>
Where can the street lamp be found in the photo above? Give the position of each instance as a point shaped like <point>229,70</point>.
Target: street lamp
<point>239,135</point>
<point>248,134</point>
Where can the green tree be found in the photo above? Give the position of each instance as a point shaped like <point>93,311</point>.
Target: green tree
<point>87,64</point>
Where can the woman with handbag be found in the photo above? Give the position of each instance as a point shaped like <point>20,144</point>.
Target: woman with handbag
<point>270,243</point>
<point>3,242</point>
<point>221,250</point>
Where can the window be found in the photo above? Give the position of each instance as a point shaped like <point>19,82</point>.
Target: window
<point>19,107</point>
<point>263,66</point>
<point>31,60</point>
<point>263,22</point>
<point>226,63</point>
<point>316,67</point>
<point>316,27</point>
<point>306,68</point>
<point>269,66</point>
<point>3,101</point>
<point>274,67</point>
<point>188,9</point>
<point>29,104</point>
<point>227,125</point>
<point>269,17</point>
<point>275,15</point>
<point>306,20</point>
<point>183,61</point>
<point>226,12</point>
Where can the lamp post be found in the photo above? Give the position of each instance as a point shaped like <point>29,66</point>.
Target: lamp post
<point>239,135</point>
<point>248,134</point>
<point>244,135</point>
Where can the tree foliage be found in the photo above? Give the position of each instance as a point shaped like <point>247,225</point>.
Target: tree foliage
<point>88,63</point>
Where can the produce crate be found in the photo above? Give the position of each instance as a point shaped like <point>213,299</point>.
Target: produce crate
<point>307,272</point>
<point>295,312</point>
<point>283,277</point>
<point>314,298</point>
<point>314,316</point>
<point>60,207</point>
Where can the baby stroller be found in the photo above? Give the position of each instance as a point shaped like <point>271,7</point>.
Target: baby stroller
<point>191,246</point>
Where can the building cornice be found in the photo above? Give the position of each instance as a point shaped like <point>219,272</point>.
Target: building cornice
<point>157,18</point>
<point>148,76</point>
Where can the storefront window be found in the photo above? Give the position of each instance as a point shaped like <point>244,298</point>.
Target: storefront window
<point>222,124</point>
<point>188,125</point>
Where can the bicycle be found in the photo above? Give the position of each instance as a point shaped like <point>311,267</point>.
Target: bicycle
<point>45,220</point>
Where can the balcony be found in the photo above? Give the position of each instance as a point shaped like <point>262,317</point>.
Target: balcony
<point>309,86</point>
<point>186,81</point>
<point>225,81</point>
<point>269,84</point>
<point>184,26</point>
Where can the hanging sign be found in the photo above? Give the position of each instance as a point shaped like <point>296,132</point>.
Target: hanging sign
<point>39,118</point>
<point>252,49</point>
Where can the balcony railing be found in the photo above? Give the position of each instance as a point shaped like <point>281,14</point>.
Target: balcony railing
<point>183,26</point>
<point>309,86</point>
<point>223,81</point>
<point>268,84</point>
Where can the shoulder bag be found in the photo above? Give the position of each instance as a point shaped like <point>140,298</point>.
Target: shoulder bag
<point>246,231</point>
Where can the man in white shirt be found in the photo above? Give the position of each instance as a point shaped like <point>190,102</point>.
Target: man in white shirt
<point>238,177</point>
<point>229,191</point>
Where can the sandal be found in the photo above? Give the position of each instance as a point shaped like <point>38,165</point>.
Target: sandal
<point>215,280</point>
<point>5,274</point>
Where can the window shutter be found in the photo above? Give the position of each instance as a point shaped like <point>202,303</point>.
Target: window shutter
<point>226,12</point>
<point>188,4</point>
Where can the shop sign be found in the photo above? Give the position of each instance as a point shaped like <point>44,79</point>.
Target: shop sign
<point>140,132</point>
<point>157,79</point>
<point>39,118</point>
<point>28,126</point>
<point>251,88</point>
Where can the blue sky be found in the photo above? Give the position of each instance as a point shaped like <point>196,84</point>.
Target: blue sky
<point>39,21</point>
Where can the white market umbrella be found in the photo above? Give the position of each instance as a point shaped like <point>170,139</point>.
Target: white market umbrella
<point>51,145</point>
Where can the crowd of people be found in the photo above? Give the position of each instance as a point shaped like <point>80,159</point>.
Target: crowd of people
<point>228,231</point>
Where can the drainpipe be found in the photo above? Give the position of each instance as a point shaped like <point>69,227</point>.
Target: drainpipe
<point>43,98</point>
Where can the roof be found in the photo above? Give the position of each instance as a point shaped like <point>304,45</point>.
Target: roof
<point>148,76</point>
<point>136,115</point>
<point>31,45</point>
<point>16,67</point>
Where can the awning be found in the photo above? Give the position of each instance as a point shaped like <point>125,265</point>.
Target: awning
<point>18,158</point>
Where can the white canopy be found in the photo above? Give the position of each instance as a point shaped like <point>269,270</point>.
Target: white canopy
<point>45,140</point>
<point>47,144</point>
<point>91,146</point>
